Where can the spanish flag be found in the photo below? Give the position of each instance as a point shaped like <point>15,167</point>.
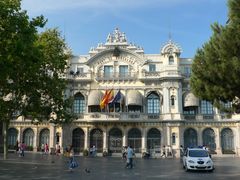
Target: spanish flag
<point>108,96</point>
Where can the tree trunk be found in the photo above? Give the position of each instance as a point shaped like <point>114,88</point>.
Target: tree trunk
<point>5,138</point>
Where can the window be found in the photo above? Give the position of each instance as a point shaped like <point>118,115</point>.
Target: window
<point>190,110</point>
<point>80,70</point>
<point>206,107</point>
<point>79,104</point>
<point>123,70</point>
<point>153,103</point>
<point>108,71</point>
<point>187,71</point>
<point>173,138</point>
<point>170,60</point>
<point>152,67</point>
<point>172,100</point>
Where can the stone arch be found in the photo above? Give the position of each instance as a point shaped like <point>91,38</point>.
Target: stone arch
<point>44,136</point>
<point>115,140</point>
<point>12,138</point>
<point>28,137</point>
<point>190,138</point>
<point>153,138</point>
<point>227,141</point>
<point>78,137</point>
<point>208,137</point>
<point>96,139</point>
<point>135,139</point>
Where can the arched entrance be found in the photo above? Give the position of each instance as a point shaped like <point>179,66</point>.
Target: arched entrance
<point>227,142</point>
<point>96,139</point>
<point>115,140</point>
<point>190,138</point>
<point>12,138</point>
<point>44,137</point>
<point>208,137</point>
<point>28,137</point>
<point>153,139</point>
<point>78,140</point>
<point>135,139</point>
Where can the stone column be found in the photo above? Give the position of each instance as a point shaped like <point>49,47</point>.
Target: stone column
<point>52,140</point>
<point>125,137</point>
<point>105,140</point>
<point>168,135</point>
<point>179,99</point>
<point>144,140</point>
<point>166,100</point>
<point>86,138</point>
<point>20,134</point>
<point>217,139</point>
<point>35,139</point>
<point>199,134</point>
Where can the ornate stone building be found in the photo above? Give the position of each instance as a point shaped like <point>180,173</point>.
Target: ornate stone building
<point>155,106</point>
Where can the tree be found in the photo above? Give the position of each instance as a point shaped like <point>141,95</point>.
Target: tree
<point>216,66</point>
<point>31,65</point>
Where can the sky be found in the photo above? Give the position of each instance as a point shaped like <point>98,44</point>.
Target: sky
<point>147,23</point>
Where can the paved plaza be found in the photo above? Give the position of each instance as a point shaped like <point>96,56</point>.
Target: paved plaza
<point>35,167</point>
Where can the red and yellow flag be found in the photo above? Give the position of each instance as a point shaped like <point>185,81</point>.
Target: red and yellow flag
<point>108,96</point>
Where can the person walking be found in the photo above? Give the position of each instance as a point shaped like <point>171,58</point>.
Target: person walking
<point>72,162</point>
<point>130,154</point>
<point>22,149</point>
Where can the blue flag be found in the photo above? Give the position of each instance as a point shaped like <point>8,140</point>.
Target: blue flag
<point>116,98</point>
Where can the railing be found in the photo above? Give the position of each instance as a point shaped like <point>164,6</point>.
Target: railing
<point>84,76</point>
<point>116,76</point>
<point>123,116</point>
<point>160,74</point>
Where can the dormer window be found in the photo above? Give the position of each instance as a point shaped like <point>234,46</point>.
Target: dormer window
<point>170,60</point>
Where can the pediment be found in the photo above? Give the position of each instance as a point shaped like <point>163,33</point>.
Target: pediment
<point>124,55</point>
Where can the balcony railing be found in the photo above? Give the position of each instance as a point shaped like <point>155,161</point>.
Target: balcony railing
<point>97,116</point>
<point>84,76</point>
<point>116,76</point>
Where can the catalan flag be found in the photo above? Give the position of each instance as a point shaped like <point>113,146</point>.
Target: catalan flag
<point>108,96</point>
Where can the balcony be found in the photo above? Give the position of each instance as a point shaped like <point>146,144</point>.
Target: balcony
<point>120,117</point>
<point>116,76</point>
<point>156,75</point>
<point>80,77</point>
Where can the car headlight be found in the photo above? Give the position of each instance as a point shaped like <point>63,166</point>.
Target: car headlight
<point>209,161</point>
<point>190,161</point>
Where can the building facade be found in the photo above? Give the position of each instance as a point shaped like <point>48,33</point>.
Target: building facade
<point>151,106</point>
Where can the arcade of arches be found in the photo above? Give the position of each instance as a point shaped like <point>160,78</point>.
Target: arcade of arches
<point>112,139</point>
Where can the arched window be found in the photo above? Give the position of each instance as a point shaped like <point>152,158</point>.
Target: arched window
<point>28,137</point>
<point>173,138</point>
<point>153,103</point>
<point>79,104</point>
<point>170,60</point>
<point>44,137</point>
<point>12,136</point>
<point>172,100</point>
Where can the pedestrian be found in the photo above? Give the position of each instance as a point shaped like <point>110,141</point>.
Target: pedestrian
<point>57,151</point>
<point>22,149</point>
<point>164,152</point>
<point>46,148</point>
<point>130,154</point>
<point>72,162</point>
<point>94,153</point>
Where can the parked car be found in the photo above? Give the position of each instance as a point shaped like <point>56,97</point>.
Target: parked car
<point>197,159</point>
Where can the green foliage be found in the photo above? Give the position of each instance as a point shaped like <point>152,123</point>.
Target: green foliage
<point>216,66</point>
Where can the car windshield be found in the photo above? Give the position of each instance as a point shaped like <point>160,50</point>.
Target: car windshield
<point>198,153</point>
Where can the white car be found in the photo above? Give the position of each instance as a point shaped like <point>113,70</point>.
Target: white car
<point>197,159</point>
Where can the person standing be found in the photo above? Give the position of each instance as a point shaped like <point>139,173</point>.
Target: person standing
<point>46,148</point>
<point>130,154</point>
<point>22,149</point>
